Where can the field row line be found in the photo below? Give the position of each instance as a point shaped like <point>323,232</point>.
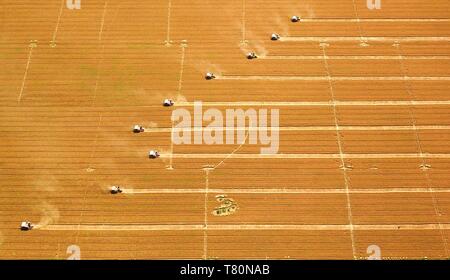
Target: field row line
<point>194,227</point>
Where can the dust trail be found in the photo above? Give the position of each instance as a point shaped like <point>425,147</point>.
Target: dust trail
<point>193,227</point>
<point>309,11</point>
<point>50,214</point>
<point>260,49</point>
<point>107,189</point>
<point>257,46</point>
<point>157,97</point>
<point>46,182</point>
<point>150,126</point>
<point>281,24</point>
<point>204,66</point>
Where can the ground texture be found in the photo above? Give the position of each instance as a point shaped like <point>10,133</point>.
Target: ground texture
<point>364,157</point>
